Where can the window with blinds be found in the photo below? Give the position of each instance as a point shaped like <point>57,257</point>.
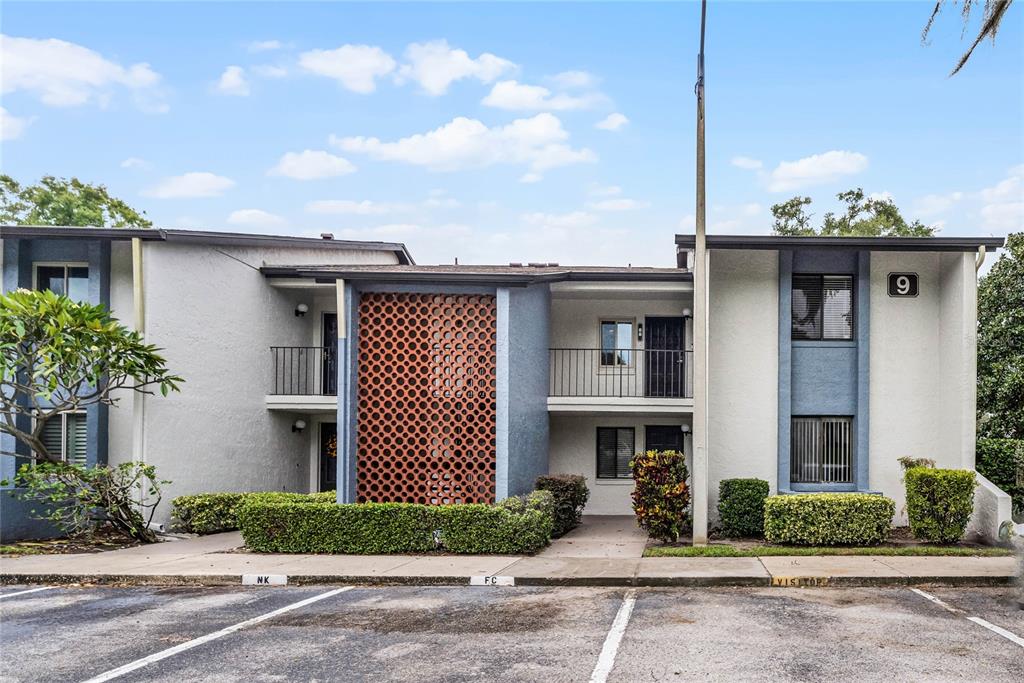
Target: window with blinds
<point>821,450</point>
<point>65,437</point>
<point>823,307</point>
<point>615,448</point>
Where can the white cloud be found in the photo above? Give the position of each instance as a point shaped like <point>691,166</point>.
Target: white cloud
<point>1010,187</point>
<point>574,79</point>
<point>573,219</point>
<point>64,74</point>
<point>612,122</point>
<point>349,207</point>
<point>618,204</point>
<point>688,223</point>
<point>605,190</point>
<point>256,218</point>
<point>515,96</point>
<point>1004,208</point>
<point>815,170</point>
<point>538,143</point>
<point>932,204</point>
<point>190,186</point>
<point>265,45</point>
<point>1008,216</point>
<point>436,65</point>
<point>311,165</point>
<point>356,67</point>
<point>530,178</point>
<point>746,163</point>
<point>135,162</point>
<point>447,233</point>
<point>233,82</point>
<point>269,71</point>
<point>11,127</point>
<point>438,202</point>
<point>884,196</point>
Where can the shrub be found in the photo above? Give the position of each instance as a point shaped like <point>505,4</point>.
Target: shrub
<point>211,513</point>
<point>570,497</point>
<point>516,525</point>
<point>1001,461</point>
<point>78,499</point>
<point>907,462</point>
<point>660,495</point>
<point>939,503</point>
<point>741,507</point>
<point>828,519</point>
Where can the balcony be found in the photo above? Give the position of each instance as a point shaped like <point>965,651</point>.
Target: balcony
<point>305,378</point>
<point>647,380</point>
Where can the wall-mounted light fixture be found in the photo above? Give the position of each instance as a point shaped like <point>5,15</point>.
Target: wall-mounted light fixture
<point>687,313</point>
<point>298,426</point>
<point>640,332</point>
<point>686,429</point>
<point>301,310</point>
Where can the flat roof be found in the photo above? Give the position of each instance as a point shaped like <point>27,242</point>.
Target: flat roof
<point>199,237</point>
<point>868,243</point>
<point>479,274</point>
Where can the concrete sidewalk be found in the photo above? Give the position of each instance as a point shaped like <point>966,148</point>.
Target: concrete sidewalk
<point>216,560</point>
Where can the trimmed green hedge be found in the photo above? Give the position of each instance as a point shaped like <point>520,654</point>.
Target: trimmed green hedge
<point>1001,461</point>
<point>828,519</point>
<point>741,507</point>
<point>571,494</point>
<point>513,526</point>
<point>939,503</point>
<point>211,513</point>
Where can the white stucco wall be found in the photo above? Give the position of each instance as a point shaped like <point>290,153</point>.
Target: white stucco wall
<point>743,368</point>
<point>922,368</point>
<point>119,430</point>
<point>215,316</point>
<point>573,450</point>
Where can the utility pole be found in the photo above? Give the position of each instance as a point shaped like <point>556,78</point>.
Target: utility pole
<point>700,319</point>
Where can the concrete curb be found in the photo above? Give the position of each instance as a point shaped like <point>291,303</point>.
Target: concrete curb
<point>567,581</point>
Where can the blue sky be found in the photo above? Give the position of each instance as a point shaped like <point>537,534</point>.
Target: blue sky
<point>512,132</point>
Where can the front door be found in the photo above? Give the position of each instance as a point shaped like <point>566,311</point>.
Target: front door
<point>329,363</point>
<point>328,456</point>
<point>663,438</point>
<point>664,357</point>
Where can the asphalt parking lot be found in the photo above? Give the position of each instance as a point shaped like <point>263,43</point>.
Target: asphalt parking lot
<point>508,634</point>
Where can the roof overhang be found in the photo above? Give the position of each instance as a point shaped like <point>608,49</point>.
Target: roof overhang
<point>776,242</point>
<point>468,276</point>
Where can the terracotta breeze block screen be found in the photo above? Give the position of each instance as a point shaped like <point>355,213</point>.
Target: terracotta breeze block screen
<point>426,394</point>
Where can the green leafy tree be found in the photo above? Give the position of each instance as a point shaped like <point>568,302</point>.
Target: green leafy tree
<point>59,356</point>
<point>1001,345</point>
<point>58,201</point>
<point>992,16</point>
<point>864,217</point>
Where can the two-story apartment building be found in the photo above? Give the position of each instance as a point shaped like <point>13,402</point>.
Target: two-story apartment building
<point>321,365</point>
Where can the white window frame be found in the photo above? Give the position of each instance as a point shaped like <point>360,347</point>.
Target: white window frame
<point>632,343</point>
<point>64,431</point>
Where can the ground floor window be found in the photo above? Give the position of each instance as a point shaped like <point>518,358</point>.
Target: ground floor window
<point>821,450</point>
<point>615,448</point>
<point>65,437</point>
<point>663,438</point>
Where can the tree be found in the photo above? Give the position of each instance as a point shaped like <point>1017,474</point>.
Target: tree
<point>864,217</point>
<point>991,18</point>
<point>1001,345</point>
<point>58,201</point>
<point>59,356</point>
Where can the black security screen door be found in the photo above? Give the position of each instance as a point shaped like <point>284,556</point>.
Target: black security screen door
<point>328,456</point>
<point>663,438</point>
<point>330,354</point>
<point>664,357</point>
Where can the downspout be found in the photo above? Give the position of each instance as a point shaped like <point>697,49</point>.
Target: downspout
<point>980,259</point>
<point>138,398</point>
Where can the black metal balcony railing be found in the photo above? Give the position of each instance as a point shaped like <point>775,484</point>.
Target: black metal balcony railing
<point>624,373</point>
<point>305,370</point>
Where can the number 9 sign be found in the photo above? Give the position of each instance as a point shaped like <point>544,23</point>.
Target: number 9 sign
<point>903,284</point>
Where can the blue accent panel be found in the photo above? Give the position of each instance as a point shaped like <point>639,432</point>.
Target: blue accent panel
<point>528,377</point>
<point>348,369</point>
<point>501,463</point>
<point>863,366</point>
<point>785,363</point>
<point>824,380</point>
<point>17,522</point>
<point>827,262</point>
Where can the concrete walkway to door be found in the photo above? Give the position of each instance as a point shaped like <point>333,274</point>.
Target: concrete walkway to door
<point>607,536</point>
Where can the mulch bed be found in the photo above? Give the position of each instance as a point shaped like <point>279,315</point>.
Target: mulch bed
<point>101,540</point>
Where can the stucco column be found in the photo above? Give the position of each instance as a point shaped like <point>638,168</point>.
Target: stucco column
<point>700,392</point>
<point>501,454</point>
<point>346,364</point>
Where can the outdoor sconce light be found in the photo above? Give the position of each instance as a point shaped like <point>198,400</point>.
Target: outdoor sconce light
<point>299,426</point>
<point>686,429</point>
<point>640,332</point>
<point>687,313</point>
<point>301,310</point>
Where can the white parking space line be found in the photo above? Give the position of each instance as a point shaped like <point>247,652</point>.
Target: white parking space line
<point>606,660</point>
<point>31,590</point>
<point>196,642</point>
<point>1012,637</point>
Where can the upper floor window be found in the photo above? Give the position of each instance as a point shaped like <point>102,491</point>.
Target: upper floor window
<point>823,307</point>
<point>616,342</point>
<point>70,279</point>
